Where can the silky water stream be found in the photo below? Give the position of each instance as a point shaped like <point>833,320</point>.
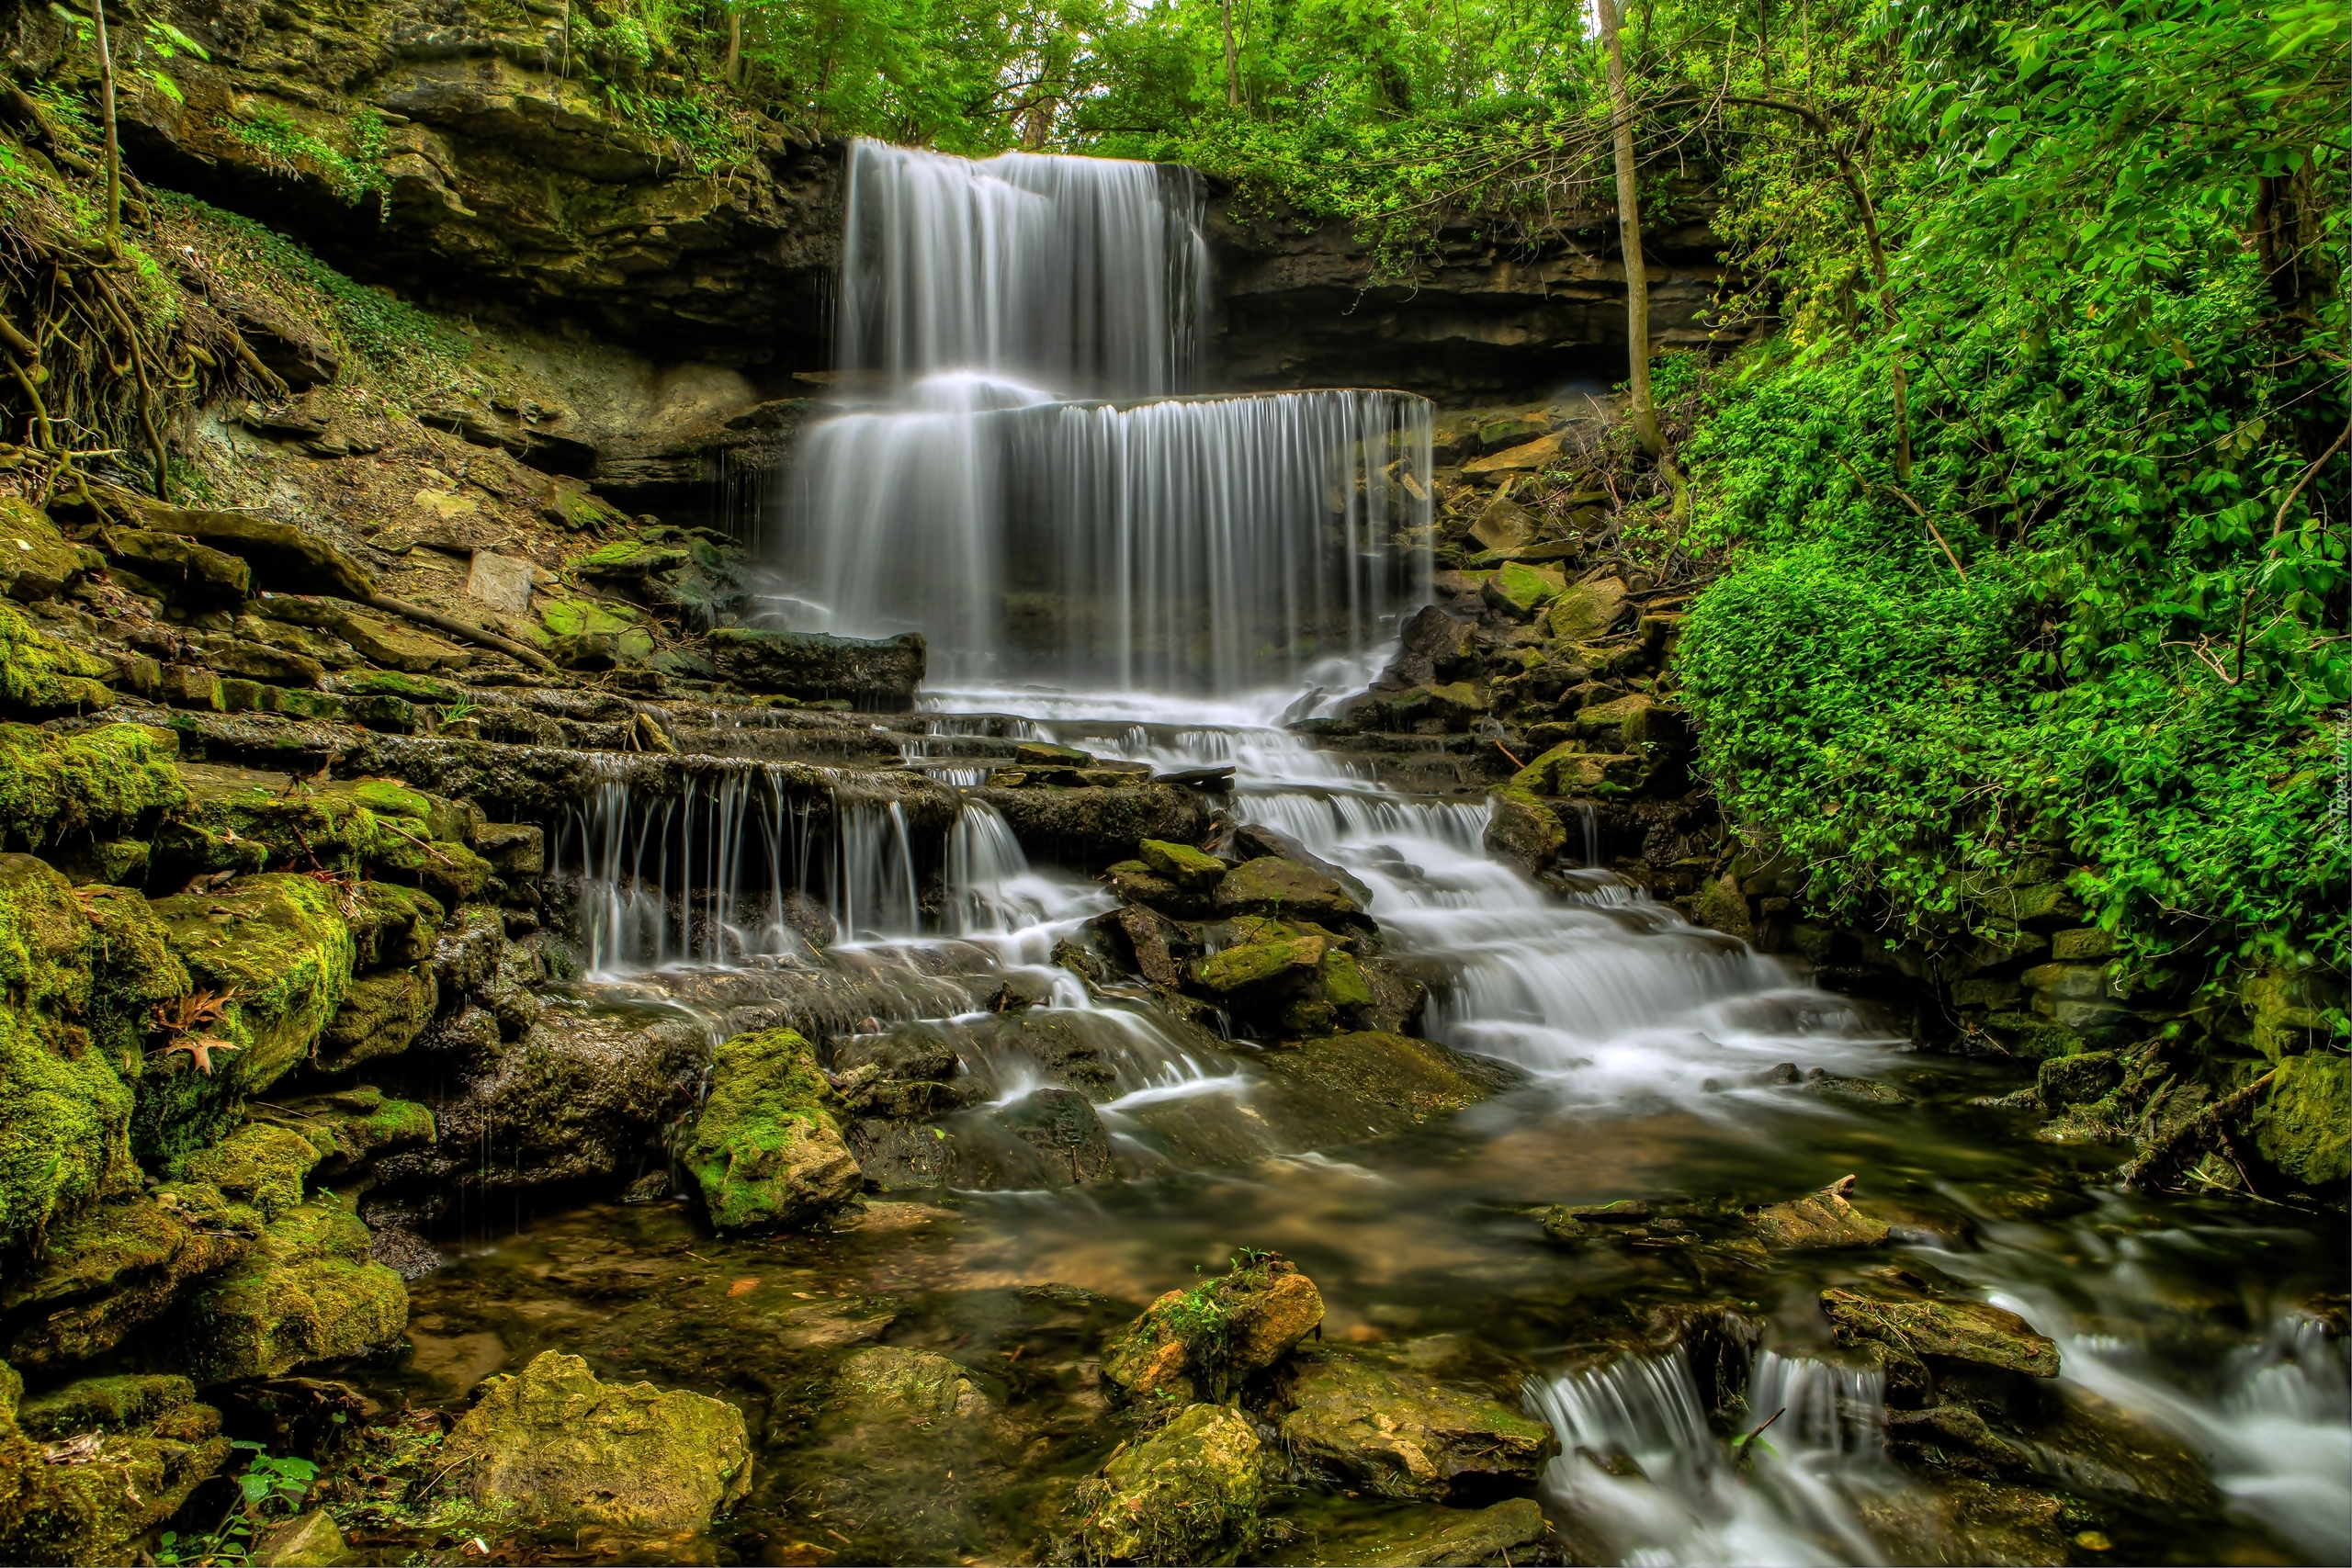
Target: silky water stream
<point>1017,472</point>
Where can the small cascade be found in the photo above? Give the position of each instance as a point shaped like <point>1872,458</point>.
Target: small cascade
<point>1640,1467</point>
<point>735,869</point>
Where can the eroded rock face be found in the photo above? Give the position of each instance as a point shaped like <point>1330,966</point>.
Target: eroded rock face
<point>1396,1432</point>
<point>868,672</point>
<point>158,1444</point>
<point>309,1290</point>
<point>766,1150</point>
<point>568,1450</point>
<point>1188,1494</point>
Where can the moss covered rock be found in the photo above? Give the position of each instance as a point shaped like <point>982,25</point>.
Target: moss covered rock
<point>766,1149</point>
<point>1202,1342</point>
<point>1270,886</point>
<point>258,1165</point>
<point>1956,1330</point>
<point>134,1478</point>
<point>1190,1493</point>
<point>36,562</point>
<point>2304,1124</point>
<point>380,1014</point>
<point>306,1292</point>
<point>242,820</point>
<point>1391,1431</point>
<point>101,783</point>
<point>902,1384</point>
<point>1818,1221</point>
<point>1520,828</point>
<point>41,677</point>
<point>276,947</point>
<point>104,1405</point>
<point>64,1106</point>
<point>1588,610</point>
<point>1187,867</point>
<point>566,1450</point>
<point>119,1265</point>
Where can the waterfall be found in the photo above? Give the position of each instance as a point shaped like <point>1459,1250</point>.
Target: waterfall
<point>1032,495</point>
<point>718,873</point>
<point>1639,1464</point>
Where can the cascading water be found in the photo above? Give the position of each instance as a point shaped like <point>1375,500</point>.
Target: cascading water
<point>1145,542</point>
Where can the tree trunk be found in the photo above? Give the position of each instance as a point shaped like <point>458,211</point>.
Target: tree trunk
<point>1629,232</point>
<point>735,44</point>
<point>1232,61</point>
<point>114,151</point>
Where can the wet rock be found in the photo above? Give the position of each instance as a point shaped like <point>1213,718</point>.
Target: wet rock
<point>1359,1420</point>
<point>308,1290</point>
<point>1188,1494</point>
<point>1148,943</point>
<point>1818,1221</point>
<point>1090,828</point>
<point>189,574</point>
<point>1852,1091</point>
<point>350,1129</point>
<point>874,673</point>
<point>104,1405</point>
<point>1973,1332</point>
<point>902,1384</point>
<point>766,1149</point>
<point>1240,842</point>
<point>284,558</point>
<point>1509,1532</point>
<point>1952,1437</point>
<point>1284,888</point>
<point>40,676</point>
<point>1371,1083</point>
<point>1276,954</point>
<point>1966,1520</point>
<point>36,560</point>
<point>1202,1342</point>
<point>2061,1081</point>
<point>392,925</point>
<point>1523,830</point>
<point>1520,591</point>
<point>565,1450</point>
<point>1069,1138</point>
<point>1136,885</point>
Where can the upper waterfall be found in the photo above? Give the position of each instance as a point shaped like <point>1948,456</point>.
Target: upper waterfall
<point>1011,471</point>
<point>1088,273</point>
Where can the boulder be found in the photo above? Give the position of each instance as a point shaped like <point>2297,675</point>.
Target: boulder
<point>1817,1221</point>
<point>1504,525</point>
<point>880,672</point>
<point>114,779</point>
<point>36,560</point>
<point>766,1149</point>
<point>1524,458</point>
<point>1202,1342</point>
<point>1190,1493</point>
<point>565,1452</point>
<point>259,1165</point>
<point>1522,591</point>
<point>1973,1332</point>
<point>2303,1122</point>
<point>1521,828</point>
<point>1351,1086</point>
<point>1585,612</point>
<point>400,645</point>
<point>1240,842</point>
<point>1284,888</point>
<point>1396,1432</point>
<point>1510,1531</point>
<point>900,1384</point>
<point>1091,827</point>
<point>1276,954</point>
<point>307,1291</point>
<point>284,559</point>
<point>1187,867</point>
<point>1060,1126</point>
<point>309,1540</point>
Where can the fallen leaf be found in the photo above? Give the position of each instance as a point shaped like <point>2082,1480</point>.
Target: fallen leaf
<point>742,1287</point>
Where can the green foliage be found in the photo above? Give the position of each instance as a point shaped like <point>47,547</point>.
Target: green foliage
<point>400,343</point>
<point>290,149</point>
<point>2123,356</point>
<point>269,1491</point>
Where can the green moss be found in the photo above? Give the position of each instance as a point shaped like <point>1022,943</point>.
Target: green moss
<point>104,782</point>
<point>64,1109</point>
<point>1182,864</point>
<point>287,147</point>
<point>378,828</point>
<point>396,683</point>
<point>766,1150</point>
<point>1251,964</point>
<point>2304,1123</point>
<point>278,948</point>
<point>104,1405</point>
<point>1188,1494</point>
<point>118,1266</point>
<point>586,617</point>
<point>40,676</point>
<point>259,1164</point>
<point>306,1293</point>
